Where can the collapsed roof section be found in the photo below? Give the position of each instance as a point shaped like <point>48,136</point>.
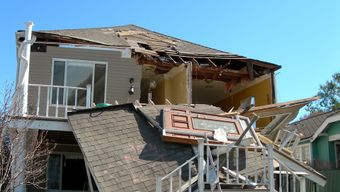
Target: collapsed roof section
<point>162,52</point>
<point>124,152</point>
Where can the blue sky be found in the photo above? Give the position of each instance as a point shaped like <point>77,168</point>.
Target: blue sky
<point>303,36</point>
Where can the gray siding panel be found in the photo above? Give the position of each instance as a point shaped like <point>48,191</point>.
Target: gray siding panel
<point>119,71</point>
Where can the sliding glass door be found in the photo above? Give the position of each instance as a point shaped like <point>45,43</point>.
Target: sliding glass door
<point>78,74</point>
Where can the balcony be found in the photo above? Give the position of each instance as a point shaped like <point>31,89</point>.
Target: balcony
<point>53,101</point>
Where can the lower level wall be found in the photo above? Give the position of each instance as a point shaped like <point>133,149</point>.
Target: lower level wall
<point>332,185</point>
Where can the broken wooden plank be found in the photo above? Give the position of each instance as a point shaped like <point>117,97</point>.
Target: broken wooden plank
<point>250,68</point>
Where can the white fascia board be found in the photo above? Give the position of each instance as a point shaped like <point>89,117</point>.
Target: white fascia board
<point>323,126</point>
<point>126,52</point>
<point>298,167</point>
<point>48,125</point>
<point>334,137</point>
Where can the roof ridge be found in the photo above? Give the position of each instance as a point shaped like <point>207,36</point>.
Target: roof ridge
<point>87,28</point>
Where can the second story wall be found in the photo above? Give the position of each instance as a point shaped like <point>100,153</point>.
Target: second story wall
<point>119,71</point>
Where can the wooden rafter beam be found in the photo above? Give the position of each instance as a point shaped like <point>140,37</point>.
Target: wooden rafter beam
<point>195,62</point>
<point>167,55</point>
<point>211,62</point>
<point>250,68</point>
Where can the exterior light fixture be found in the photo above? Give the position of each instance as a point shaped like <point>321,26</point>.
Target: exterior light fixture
<point>132,88</point>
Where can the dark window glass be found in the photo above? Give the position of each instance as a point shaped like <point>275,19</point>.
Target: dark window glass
<point>67,172</point>
<point>53,174</point>
<point>77,74</point>
<point>58,79</point>
<point>74,174</point>
<point>99,83</point>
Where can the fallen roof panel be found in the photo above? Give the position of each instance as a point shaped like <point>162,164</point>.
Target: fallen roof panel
<point>121,149</point>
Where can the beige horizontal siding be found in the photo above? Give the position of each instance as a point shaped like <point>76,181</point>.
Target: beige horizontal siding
<point>120,70</point>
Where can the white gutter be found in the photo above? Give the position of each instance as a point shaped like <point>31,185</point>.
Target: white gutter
<point>24,54</point>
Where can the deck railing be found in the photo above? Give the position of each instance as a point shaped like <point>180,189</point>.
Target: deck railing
<point>287,180</point>
<point>55,101</point>
<point>220,164</point>
<point>241,165</point>
<point>287,138</point>
<point>177,173</point>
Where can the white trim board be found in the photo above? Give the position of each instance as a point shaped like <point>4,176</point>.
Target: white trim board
<point>125,52</point>
<point>48,125</point>
<point>334,137</point>
<point>299,167</point>
<point>324,125</point>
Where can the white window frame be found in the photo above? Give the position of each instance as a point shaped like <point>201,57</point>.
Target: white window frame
<point>336,156</point>
<point>82,62</point>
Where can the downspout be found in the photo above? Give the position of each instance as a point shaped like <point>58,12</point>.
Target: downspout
<point>21,96</point>
<point>24,54</point>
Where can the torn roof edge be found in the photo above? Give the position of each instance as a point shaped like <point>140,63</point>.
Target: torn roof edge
<point>123,43</point>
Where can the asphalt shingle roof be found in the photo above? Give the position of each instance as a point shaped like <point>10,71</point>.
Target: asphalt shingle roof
<point>129,35</point>
<point>122,150</point>
<point>307,127</point>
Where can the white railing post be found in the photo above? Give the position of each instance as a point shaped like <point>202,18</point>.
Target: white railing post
<point>66,101</point>
<point>302,184</point>
<point>159,184</point>
<point>38,101</point>
<point>287,139</point>
<point>48,100</point>
<point>271,168</point>
<point>57,104</point>
<point>295,144</point>
<point>190,182</point>
<point>88,96</point>
<point>200,165</point>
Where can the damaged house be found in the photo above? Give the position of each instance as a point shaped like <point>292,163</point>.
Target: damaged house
<point>131,109</point>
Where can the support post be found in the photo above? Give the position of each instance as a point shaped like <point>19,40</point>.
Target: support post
<point>271,168</point>
<point>159,184</point>
<point>18,162</point>
<point>302,184</point>
<point>89,178</point>
<point>189,82</point>
<point>200,164</point>
<point>253,120</point>
<point>88,96</point>
<point>288,139</point>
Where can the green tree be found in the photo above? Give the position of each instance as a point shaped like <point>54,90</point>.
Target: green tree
<point>329,94</point>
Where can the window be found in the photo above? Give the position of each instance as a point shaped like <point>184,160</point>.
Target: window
<point>205,124</point>
<point>77,75</point>
<point>66,171</point>
<point>337,155</point>
<point>303,153</point>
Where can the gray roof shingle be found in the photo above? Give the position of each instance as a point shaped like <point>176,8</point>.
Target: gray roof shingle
<point>123,152</point>
<point>308,126</point>
<point>130,34</point>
